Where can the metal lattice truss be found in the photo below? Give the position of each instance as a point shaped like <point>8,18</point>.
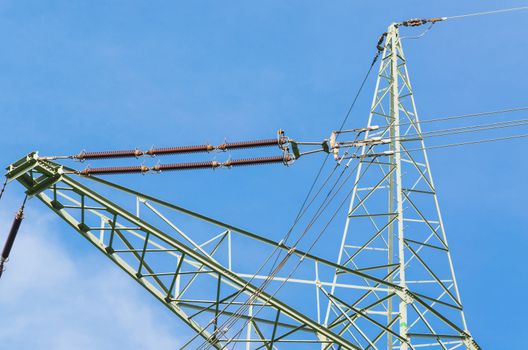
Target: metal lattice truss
<point>394,228</point>
<point>392,287</point>
<point>196,274</point>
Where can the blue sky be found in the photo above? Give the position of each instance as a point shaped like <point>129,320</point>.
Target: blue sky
<point>111,75</point>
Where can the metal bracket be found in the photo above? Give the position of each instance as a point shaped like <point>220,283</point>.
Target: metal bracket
<point>22,166</point>
<point>405,295</point>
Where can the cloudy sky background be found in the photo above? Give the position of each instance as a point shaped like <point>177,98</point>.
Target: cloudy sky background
<point>118,75</point>
<point>51,300</point>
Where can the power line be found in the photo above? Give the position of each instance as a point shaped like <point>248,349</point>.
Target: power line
<point>470,115</point>
<point>447,118</point>
<point>485,13</point>
<point>341,127</point>
<point>275,268</point>
<point>513,137</point>
<point>458,130</point>
<point>374,60</point>
<point>419,36</point>
<point>434,133</point>
<point>449,145</point>
<point>466,129</point>
<point>231,321</point>
<point>301,212</point>
<point>317,238</point>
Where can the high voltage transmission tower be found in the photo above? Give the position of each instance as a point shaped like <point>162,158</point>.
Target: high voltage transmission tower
<point>389,284</point>
<point>394,227</point>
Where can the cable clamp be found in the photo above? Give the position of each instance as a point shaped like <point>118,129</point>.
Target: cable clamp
<point>415,22</point>
<point>370,142</point>
<point>358,130</point>
<point>373,155</point>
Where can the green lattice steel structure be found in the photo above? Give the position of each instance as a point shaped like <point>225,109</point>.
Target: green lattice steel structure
<point>391,284</point>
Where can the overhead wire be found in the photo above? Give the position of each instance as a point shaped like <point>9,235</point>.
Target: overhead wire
<point>300,213</point>
<point>485,13</point>
<point>455,130</point>
<point>387,153</point>
<point>344,200</point>
<point>245,305</point>
<point>452,17</point>
<point>285,260</point>
<point>457,144</point>
<point>319,212</point>
<point>347,115</point>
<point>452,117</point>
<point>340,128</point>
<point>420,35</point>
<point>342,124</point>
<point>363,82</point>
<point>463,129</point>
<point>464,116</point>
<point>275,268</point>
<point>314,242</point>
<point>471,129</point>
<point>437,134</point>
<point>374,60</point>
<point>306,200</point>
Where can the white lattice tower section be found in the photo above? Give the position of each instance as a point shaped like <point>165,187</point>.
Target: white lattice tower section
<point>394,231</point>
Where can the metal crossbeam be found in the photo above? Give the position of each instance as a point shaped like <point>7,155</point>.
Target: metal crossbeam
<point>135,245</point>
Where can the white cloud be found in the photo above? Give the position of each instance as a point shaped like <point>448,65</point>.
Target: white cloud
<point>52,297</point>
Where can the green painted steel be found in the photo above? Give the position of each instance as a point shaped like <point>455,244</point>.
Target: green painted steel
<point>394,211</point>
<point>119,224</point>
<point>392,286</point>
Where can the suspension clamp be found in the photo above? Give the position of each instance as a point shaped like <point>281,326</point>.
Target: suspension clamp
<point>357,130</point>
<point>333,146</point>
<point>368,142</point>
<point>415,22</point>
<point>373,155</point>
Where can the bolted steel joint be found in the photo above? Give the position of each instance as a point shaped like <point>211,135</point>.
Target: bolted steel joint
<point>405,295</point>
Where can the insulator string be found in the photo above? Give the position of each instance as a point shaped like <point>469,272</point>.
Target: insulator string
<point>3,188</point>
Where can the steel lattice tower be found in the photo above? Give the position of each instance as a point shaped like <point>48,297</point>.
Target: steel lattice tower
<point>392,287</point>
<point>394,226</point>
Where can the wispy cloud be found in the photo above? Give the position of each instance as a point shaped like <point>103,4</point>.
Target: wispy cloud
<point>50,299</point>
